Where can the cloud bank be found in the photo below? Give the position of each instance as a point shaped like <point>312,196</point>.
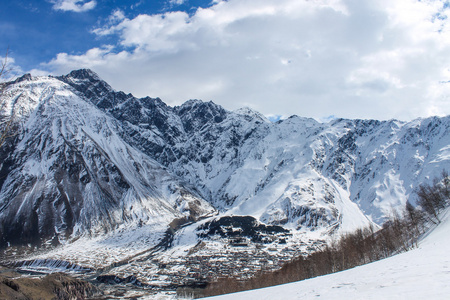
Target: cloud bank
<point>378,59</point>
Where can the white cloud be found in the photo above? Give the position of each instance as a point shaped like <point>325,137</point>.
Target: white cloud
<point>360,59</point>
<point>137,4</point>
<point>115,18</point>
<point>177,2</point>
<point>74,5</point>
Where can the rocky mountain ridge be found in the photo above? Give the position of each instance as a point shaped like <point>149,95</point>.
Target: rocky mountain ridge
<point>90,160</point>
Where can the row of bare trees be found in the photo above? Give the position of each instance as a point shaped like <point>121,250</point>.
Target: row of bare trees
<point>400,233</point>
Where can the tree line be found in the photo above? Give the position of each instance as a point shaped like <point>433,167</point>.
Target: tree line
<point>400,233</point>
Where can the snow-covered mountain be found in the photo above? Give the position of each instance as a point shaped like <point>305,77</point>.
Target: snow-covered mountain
<point>71,173</point>
<point>90,159</point>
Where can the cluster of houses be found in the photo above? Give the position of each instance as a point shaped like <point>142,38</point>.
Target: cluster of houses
<point>210,260</point>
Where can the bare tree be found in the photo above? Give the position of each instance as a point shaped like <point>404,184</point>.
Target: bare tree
<point>434,198</point>
<point>6,121</point>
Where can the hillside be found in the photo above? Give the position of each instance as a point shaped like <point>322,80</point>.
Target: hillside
<point>422,273</point>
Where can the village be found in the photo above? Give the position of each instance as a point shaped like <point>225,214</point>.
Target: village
<point>240,258</point>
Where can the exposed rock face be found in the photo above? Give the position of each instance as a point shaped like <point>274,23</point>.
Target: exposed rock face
<point>90,159</point>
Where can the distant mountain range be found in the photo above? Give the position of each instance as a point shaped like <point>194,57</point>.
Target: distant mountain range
<point>89,160</point>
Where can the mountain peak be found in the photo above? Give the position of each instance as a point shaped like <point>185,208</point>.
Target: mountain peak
<point>92,87</point>
<point>83,74</point>
<point>195,113</point>
<point>25,77</point>
<point>247,111</point>
<point>192,102</point>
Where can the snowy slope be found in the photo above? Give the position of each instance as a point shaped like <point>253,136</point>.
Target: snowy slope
<point>71,173</point>
<point>422,273</point>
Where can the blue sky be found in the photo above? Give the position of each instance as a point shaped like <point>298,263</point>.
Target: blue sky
<point>379,59</point>
<point>36,31</point>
